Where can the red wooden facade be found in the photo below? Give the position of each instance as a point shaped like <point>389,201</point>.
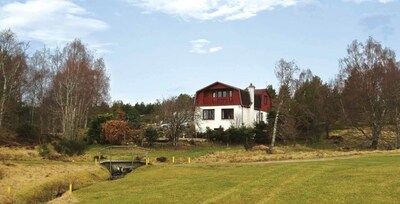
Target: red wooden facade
<point>220,94</point>
<point>265,100</point>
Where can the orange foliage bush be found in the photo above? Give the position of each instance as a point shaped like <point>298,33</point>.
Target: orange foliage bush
<point>117,131</point>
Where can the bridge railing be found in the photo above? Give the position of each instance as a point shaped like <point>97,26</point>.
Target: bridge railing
<point>123,152</point>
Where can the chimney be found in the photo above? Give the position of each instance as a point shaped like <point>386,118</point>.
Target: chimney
<point>251,112</point>
<point>251,89</point>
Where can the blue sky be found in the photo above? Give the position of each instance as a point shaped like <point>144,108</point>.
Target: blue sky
<point>155,49</point>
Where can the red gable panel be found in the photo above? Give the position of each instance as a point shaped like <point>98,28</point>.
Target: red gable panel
<point>208,96</point>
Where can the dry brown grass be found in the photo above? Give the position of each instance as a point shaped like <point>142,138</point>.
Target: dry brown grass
<point>18,153</point>
<point>65,198</point>
<point>297,152</point>
<point>354,139</point>
<point>40,181</point>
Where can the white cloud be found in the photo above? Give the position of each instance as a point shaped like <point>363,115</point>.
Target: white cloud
<point>362,1</point>
<point>52,22</point>
<point>214,9</point>
<point>101,47</point>
<point>214,49</point>
<point>200,46</point>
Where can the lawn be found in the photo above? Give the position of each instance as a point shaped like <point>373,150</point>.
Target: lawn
<point>372,179</point>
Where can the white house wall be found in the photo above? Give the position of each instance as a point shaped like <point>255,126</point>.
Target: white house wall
<point>245,116</point>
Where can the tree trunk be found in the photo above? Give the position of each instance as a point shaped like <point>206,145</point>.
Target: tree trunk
<point>327,129</point>
<point>374,144</point>
<point>375,138</point>
<point>3,96</point>
<point>398,134</point>
<point>275,125</point>
<point>397,129</point>
<point>2,103</point>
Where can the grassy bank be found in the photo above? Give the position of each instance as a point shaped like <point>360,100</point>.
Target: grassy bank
<point>361,180</point>
<point>41,181</point>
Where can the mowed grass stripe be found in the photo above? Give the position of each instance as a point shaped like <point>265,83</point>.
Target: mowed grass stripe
<point>359,180</point>
<point>247,185</point>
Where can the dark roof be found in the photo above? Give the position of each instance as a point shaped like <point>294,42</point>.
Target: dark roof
<point>217,82</point>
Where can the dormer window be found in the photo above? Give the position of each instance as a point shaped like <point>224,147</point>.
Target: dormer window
<point>222,94</point>
<point>222,97</point>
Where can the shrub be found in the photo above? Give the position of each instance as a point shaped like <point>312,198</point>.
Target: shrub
<point>260,130</point>
<point>70,147</point>
<point>151,135</point>
<point>117,131</point>
<point>56,156</point>
<point>243,135</point>
<point>248,137</point>
<point>161,159</point>
<point>27,130</point>
<point>43,150</point>
<point>95,132</point>
<point>216,135</point>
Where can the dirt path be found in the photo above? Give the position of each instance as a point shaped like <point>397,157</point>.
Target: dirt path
<point>293,160</point>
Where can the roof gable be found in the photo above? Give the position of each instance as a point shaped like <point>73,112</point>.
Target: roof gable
<point>218,85</point>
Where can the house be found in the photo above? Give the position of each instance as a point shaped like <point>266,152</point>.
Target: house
<point>221,105</point>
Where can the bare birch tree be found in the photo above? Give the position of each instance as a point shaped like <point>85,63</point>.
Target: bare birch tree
<point>12,68</point>
<point>284,72</point>
<point>39,80</point>
<point>177,112</point>
<point>80,81</point>
<point>365,95</point>
<point>392,84</point>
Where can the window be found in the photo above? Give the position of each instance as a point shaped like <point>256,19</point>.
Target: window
<point>208,114</point>
<point>222,94</point>
<point>265,100</point>
<point>227,113</point>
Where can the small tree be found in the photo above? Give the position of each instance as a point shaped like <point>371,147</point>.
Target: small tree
<point>95,132</point>
<point>310,99</point>
<point>151,135</point>
<point>177,111</point>
<point>126,112</point>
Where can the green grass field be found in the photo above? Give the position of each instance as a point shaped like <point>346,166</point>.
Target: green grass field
<point>181,153</point>
<point>372,179</point>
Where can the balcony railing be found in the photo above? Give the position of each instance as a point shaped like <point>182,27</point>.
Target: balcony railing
<point>222,100</point>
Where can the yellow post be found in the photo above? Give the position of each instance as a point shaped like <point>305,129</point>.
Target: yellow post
<point>189,160</point>
<point>95,161</point>
<point>173,159</point>
<point>147,161</point>
<point>70,187</point>
<point>9,190</point>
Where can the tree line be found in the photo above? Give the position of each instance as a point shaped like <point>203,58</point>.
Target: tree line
<point>50,91</point>
<point>365,96</point>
